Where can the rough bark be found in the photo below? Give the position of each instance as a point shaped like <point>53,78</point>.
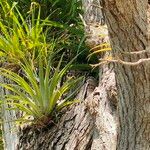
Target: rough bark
<point>103,106</point>
<point>9,129</point>
<point>93,12</point>
<point>128,28</point>
<point>105,135</point>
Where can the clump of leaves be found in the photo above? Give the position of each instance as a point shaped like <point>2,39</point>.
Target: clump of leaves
<point>37,93</point>
<point>100,48</point>
<point>24,36</point>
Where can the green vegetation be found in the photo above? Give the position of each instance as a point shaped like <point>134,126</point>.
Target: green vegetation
<point>43,40</point>
<point>30,42</point>
<point>24,37</point>
<point>38,93</point>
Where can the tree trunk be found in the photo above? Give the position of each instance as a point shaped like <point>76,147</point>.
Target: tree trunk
<point>93,123</point>
<point>128,27</point>
<point>9,129</point>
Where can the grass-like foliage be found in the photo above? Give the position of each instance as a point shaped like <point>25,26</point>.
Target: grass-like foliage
<point>63,11</point>
<point>24,36</point>
<point>27,34</point>
<point>37,93</point>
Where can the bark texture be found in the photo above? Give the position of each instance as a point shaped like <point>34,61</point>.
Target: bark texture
<point>128,27</point>
<point>103,106</point>
<point>10,133</point>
